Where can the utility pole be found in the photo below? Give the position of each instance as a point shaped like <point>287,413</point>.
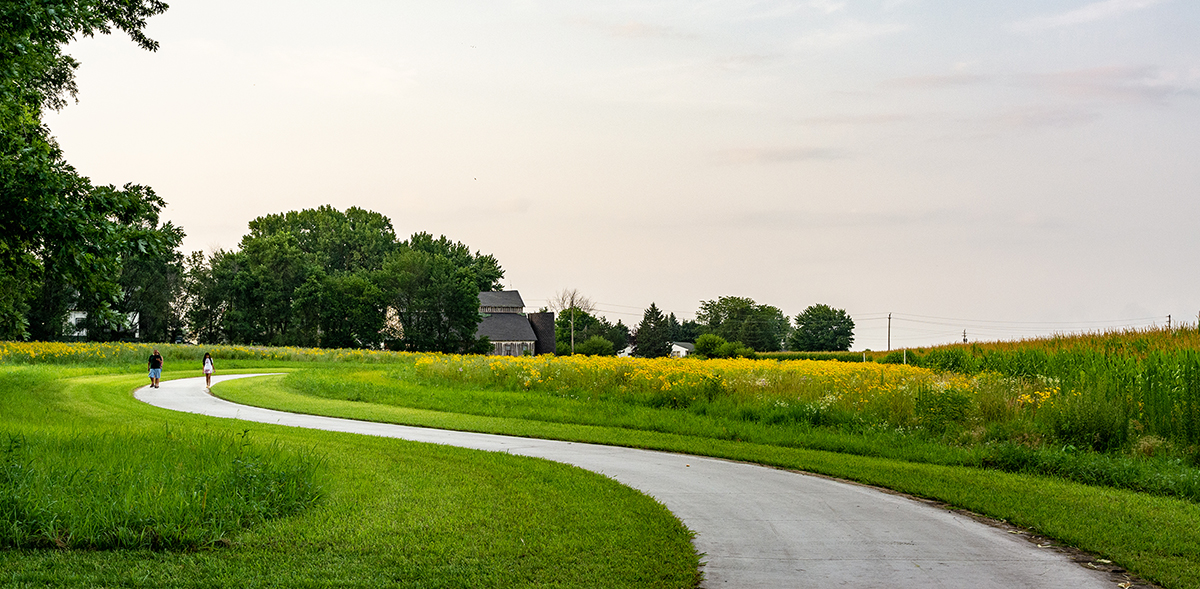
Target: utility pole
<point>1168,322</point>
<point>890,331</point>
<point>964,336</point>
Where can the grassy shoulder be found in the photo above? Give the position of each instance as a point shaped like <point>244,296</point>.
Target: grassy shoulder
<point>1155,537</point>
<point>392,513</point>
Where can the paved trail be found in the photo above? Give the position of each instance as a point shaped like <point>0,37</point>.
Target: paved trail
<point>759,527</point>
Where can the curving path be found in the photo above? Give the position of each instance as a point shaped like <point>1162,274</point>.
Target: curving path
<point>758,526</point>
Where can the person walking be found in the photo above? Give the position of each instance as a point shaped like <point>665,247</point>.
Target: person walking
<point>208,370</point>
<point>155,365</point>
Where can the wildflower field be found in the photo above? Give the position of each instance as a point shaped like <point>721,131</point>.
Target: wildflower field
<point>1092,428</point>
<point>124,353</point>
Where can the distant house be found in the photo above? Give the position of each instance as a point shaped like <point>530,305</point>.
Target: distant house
<point>681,349</point>
<point>678,350</point>
<point>77,332</point>
<point>510,330</point>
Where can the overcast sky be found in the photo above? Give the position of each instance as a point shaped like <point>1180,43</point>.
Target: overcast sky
<point>1009,168</point>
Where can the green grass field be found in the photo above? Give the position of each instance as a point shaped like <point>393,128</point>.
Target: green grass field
<point>370,512</point>
<point>1155,537</point>
<point>383,512</point>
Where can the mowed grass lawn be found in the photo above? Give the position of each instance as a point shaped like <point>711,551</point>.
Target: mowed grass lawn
<point>390,513</point>
<point>1155,537</point>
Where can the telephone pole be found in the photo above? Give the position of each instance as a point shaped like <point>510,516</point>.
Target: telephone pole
<point>890,331</point>
<point>964,336</point>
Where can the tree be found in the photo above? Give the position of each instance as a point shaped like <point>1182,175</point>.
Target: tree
<point>761,327</point>
<point>688,331</point>
<point>349,241</point>
<point>485,271</point>
<point>92,267</point>
<point>436,302</point>
<point>60,237</point>
<point>821,328</point>
<point>569,303</point>
<point>653,335</point>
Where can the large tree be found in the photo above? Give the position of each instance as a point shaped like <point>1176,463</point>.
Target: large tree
<point>436,302</point>
<point>61,239</point>
<point>653,335</point>
<point>740,319</point>
<point>349,241</point>
<point>821,328</point>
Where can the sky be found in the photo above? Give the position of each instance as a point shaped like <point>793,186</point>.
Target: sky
<point>1007,169</point>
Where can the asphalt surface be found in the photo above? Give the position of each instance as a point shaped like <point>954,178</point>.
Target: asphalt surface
<point>757,526</point>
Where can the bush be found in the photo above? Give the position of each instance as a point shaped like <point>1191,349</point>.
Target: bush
<point>596,346</point>
<point>709,344</point>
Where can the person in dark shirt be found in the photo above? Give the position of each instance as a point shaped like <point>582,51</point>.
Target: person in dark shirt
<point>155,365</point>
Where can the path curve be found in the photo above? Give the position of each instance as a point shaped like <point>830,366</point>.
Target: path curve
<point>757,526</point>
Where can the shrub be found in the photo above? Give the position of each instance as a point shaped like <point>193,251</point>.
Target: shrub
<point>595,346</point>
<point>709,344</point>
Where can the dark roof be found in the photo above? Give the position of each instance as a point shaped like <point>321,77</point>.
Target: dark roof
<point>501,298</point>
<point>506,327</point>
<point>686,345</point>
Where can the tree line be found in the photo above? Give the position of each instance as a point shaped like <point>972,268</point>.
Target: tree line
<point>327,278</point>
<point>724,327</point>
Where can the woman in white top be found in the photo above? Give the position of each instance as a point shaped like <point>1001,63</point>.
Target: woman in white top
<point>208,370</point>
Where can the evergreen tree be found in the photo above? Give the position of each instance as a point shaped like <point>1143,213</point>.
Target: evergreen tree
<point>653,335</point>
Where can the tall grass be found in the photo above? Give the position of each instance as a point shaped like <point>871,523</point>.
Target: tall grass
<point>130,490</point>
<point>1120,389</point>
<point>67,483</point>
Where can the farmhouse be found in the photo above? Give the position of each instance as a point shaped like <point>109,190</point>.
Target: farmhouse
<point>511,331</point>
<point>678,350</point>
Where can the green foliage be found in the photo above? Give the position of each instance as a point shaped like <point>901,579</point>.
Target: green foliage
<point>436,302</point>
<point>1107,395</point>
<point>587,326</point>
<point>61,239</point>
<point>350,241</point>
<point>761,327</point>
<point>709,345</point>
<point>596,346</point>
<point>821,328</point>
<point>734,350</point>
<point>321,277</point>
<point>653,335</point>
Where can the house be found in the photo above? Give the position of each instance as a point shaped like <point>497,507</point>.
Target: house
<point>681,349</point>
<point>77,332</point>
<point>510,330</point>
<point>678,350</point>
